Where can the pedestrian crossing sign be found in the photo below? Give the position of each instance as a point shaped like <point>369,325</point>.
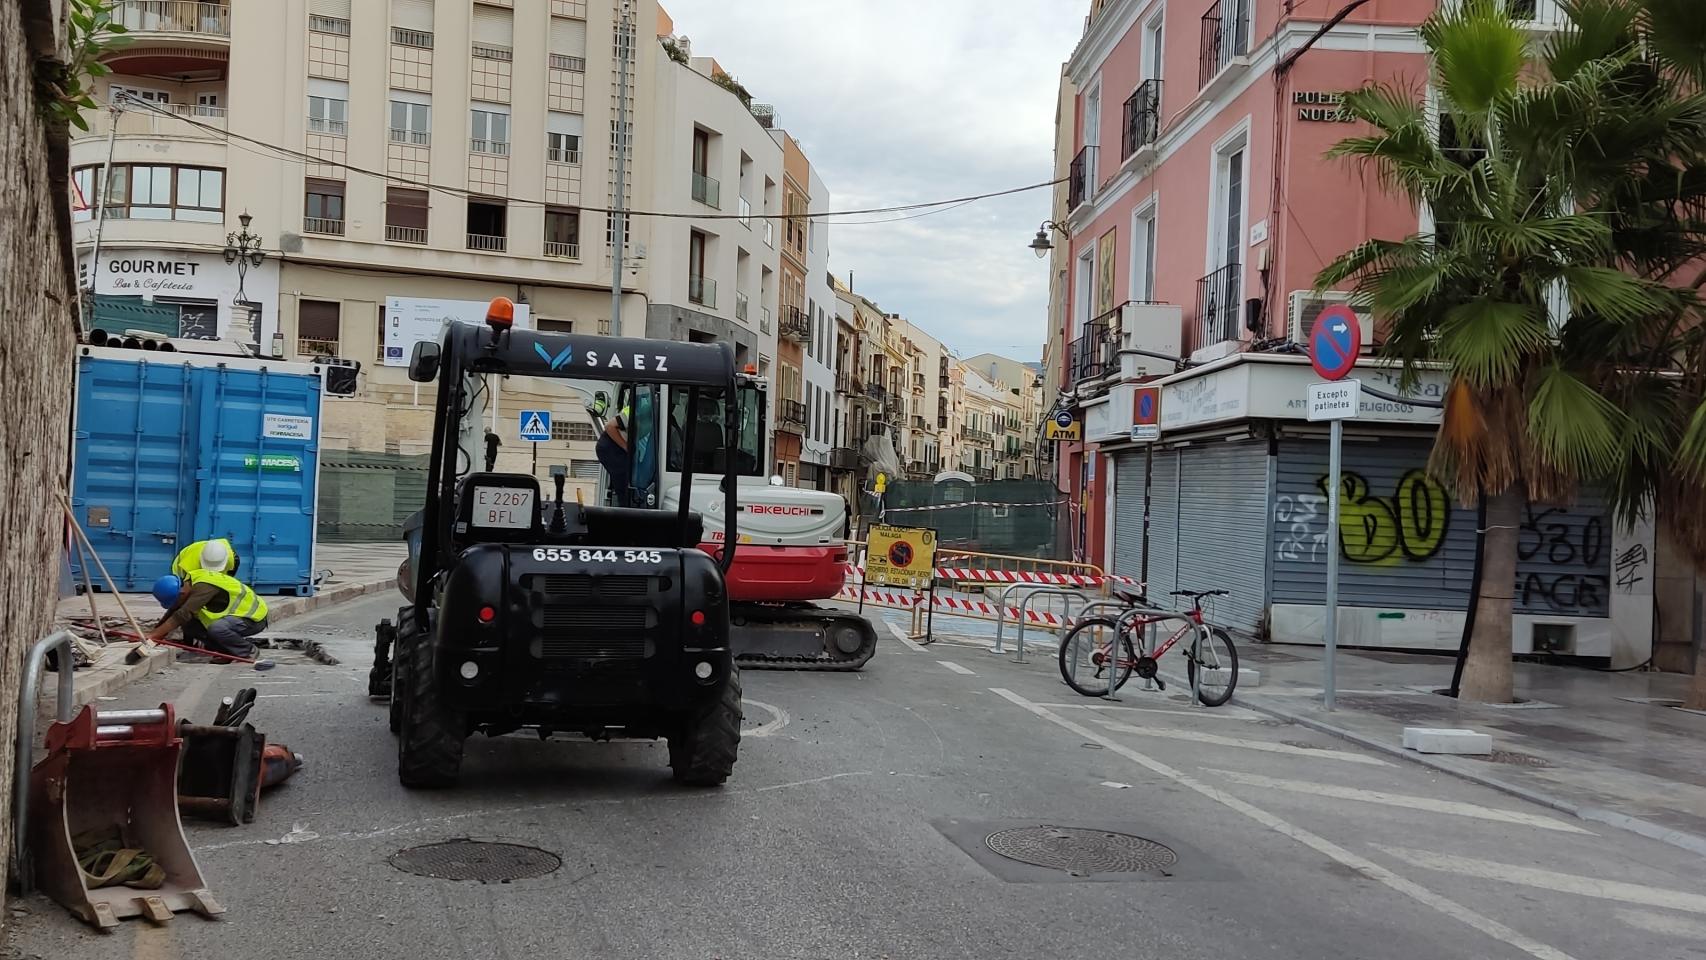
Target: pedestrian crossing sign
<point>536,425</point>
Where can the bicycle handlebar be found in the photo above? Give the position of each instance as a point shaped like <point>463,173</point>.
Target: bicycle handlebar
<point>1199,594</point>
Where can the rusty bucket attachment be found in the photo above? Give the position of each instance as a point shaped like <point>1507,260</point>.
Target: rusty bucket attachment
<point>220,778</point>
<point>113,774</point>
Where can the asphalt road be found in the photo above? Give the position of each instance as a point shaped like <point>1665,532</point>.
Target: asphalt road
<point>854,828</point>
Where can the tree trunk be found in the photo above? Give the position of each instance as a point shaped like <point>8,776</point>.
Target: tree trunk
<point>1487,672</point>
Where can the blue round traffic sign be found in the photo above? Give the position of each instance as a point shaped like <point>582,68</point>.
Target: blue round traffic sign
<point>1063,419</point>
<point>1334,342</point>
<point>1146,406</point>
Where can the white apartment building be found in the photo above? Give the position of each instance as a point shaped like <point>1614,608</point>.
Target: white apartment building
<point>818,355</point>
<point>713,278</point>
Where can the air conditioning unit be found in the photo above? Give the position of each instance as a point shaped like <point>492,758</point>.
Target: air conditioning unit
<point>1306,305</point>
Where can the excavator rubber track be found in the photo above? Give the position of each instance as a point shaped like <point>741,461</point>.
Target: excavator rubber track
<point>799,636</point>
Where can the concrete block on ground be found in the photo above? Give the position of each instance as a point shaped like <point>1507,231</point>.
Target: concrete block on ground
<point>1446,740</point>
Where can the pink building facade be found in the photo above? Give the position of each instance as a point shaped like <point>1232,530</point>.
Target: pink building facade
<point>1200,199</point>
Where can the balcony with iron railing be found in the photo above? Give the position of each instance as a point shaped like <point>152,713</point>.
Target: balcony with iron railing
<point>702,290</point>
<point>154,20</point>
<point>1217,305</point>
<point>844,383</point>
<point>326,226</point>
<point>562,155</point>
<point>796,326</point>
<point>499,148</point>
<point>919,423</point>
<point>1142,118</point>
<point>707,191</point>
<point>312,347</point>
<point>166,121</point>
<point>1081,177</point>
<point>974,435</point>
<point>790,413</point>
<point>918,384</point>
<point>876,392</point>
<point>560,250</point>
<point>1095,354</point>
<point>843,458</point>
<point>486,242</point>
<point>397,234</point>
<point>1225,38</point>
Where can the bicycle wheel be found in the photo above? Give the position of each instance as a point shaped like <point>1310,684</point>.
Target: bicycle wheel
<point>1084,660</point>
<point>1219,659</point>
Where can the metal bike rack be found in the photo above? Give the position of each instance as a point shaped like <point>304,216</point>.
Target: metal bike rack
<point>1032,592</point>
<point>24,749</point>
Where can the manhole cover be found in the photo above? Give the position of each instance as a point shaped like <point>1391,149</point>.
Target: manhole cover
<point>1081,852</point>
<point>1514,759</point>
<point>476,860</point>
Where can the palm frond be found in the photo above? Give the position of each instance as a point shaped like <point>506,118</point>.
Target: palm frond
<point>1573,426</point>
<point>1479,52</point>
<point>1487,341</point>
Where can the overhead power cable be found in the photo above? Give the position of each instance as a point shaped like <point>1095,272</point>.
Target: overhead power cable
<point>463,192</point>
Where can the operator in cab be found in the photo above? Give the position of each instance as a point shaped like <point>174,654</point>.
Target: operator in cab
<point>214,609</point>
<point>630,470</point>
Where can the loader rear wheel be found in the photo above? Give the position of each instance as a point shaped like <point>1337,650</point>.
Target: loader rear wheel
<point>702,753</point>
<point>430,734</point>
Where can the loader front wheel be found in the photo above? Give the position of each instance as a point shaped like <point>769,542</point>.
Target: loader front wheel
<point>703,750</point>
<point>430,734</point>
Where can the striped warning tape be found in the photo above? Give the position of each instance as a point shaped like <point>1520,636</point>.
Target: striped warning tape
<point>973,503</point>
<point>1024,576</point>
<point>954,606</point>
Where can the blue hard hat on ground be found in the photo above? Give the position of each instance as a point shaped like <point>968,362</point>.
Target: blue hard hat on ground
<point>166,590</point>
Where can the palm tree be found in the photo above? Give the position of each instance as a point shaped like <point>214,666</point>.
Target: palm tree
<point>1566,188</point>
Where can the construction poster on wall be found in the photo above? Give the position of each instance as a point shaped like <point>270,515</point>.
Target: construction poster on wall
<point>901,556</point>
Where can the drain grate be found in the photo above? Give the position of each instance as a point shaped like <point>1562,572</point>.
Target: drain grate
<point>1081,852</point>
<point>476,860</point>
<point>1513,759</point>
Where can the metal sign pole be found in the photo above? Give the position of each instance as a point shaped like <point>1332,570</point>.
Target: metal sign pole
<point>1334,449</point>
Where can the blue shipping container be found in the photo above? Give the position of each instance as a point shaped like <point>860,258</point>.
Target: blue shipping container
<point>171,448</point>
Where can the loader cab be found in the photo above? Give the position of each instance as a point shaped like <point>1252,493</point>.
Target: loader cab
<point>711,445</point>
<point>533,609</point>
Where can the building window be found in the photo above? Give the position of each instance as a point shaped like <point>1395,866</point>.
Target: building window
<point>489,131</point>
<point>323,207</point>
<point>328,107</point>
<point>411,123</point>
<point>405,215</point>
<point>317,328</point>
<point>573,430</point>
<point>145,192</point>
<point>562,233</point>
<point>563,147</point>
<point>486,223</point>
<point>700,288</point>
<point>1143,256</point>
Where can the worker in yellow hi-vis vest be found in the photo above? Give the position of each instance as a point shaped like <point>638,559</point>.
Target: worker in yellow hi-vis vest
<point>214,609</point>
<point>206,554</point>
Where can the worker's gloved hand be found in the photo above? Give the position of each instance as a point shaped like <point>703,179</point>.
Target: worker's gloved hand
<point>598,405</point>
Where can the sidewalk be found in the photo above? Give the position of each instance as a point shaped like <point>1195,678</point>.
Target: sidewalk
<point>1605,747</point>
<point>352,570</point>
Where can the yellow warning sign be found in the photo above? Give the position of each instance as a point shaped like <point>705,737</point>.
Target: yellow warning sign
<point>901,556</point>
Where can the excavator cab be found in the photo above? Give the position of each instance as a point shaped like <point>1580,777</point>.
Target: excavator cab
<point>533,610</point>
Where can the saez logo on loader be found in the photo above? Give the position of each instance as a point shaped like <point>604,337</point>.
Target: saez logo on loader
<point>638,362</point>
<point>559,361</point>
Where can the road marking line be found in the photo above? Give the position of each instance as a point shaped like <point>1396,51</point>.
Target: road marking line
<point>1190,713</point>
<point>1362,865</point>
<point>1452,807</point>
<point>287,696</point>
<point>900,635</point>
<point>1634,893</point>
<point>1663,923</point>
<point>1263,745</point>
<point>778,719</point>
<point>951,665</point>
<point>802,783</point>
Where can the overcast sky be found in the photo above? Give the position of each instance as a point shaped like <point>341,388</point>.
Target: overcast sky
<point>905,101</point>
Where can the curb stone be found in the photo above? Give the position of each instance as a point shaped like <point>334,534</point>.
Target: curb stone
<point>1693,843</point>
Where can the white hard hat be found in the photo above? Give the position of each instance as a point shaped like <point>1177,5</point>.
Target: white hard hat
<point>214,556</point>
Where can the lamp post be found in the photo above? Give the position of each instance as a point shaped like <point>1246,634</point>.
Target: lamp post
<point>1041,244</point>
<point>244,250</point>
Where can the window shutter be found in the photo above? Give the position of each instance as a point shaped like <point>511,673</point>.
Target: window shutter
<point>569,123</point>
<point>412,14</point>
<point>330,89</point>
<point>568,37</point>
<point>336,9</point>
<point>494,26</point>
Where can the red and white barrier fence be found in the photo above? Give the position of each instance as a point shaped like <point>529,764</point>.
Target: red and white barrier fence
<point>955,606</point>
<point>1022,576</point>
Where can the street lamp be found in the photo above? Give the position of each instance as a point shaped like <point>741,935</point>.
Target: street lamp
<point>244,250</point>
<point>1041,244</point>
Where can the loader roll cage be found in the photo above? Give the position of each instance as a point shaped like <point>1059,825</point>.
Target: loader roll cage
<point>497,348</point>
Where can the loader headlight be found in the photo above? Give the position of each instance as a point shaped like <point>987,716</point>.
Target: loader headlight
<point>703,670</point>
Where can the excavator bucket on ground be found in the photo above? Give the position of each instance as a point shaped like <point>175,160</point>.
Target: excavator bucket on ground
<point>103,820</point>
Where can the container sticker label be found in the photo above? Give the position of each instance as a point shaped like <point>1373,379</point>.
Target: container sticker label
<point>281,427</point>
<point>273,463</point>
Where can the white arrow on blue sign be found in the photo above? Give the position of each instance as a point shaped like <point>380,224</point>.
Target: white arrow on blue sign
<point>535,425</point>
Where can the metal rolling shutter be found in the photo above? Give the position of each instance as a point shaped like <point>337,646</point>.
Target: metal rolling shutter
<point>412,14</point>
<point>568,37</point>
<point>494,25</point>
<point>1222,519</point>
<point>1163,525</point>
<point>336,9</point>
<point>1404,544</point>
<point>1128,513</point>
